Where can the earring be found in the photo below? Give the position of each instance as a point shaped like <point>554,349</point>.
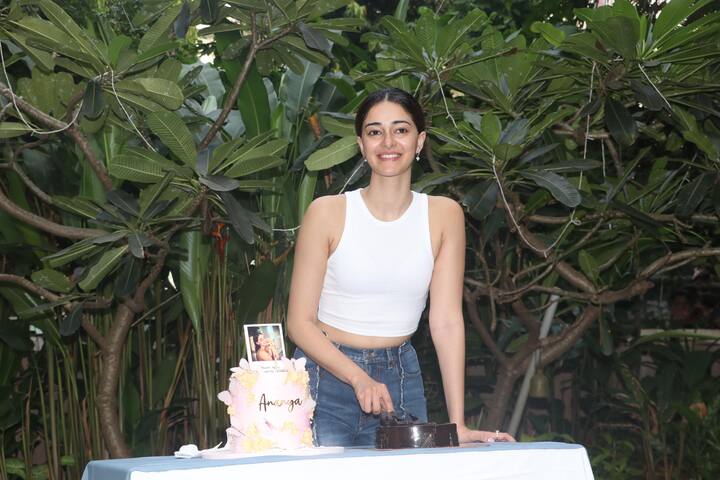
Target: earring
<point>417,157</point>
<point>364,159</point>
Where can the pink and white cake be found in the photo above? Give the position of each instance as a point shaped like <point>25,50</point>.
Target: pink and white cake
<point>268,409</point>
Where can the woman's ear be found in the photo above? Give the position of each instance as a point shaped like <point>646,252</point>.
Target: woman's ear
<point>421,141</point>
<point>360,146</point>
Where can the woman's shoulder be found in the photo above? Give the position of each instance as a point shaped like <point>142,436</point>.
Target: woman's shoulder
<point>327,205</point>
<point>445,208</point>
<point>325,214</point>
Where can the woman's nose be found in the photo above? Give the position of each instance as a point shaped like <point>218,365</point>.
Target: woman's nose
<point>388,139</point>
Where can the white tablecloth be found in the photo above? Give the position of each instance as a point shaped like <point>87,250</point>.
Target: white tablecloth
<point>506,461</point>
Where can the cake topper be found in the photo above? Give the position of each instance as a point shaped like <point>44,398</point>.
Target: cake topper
<point>265,346</point>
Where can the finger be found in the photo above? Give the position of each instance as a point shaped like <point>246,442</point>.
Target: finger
<point>387,403</point>
<point>366,403</point>
<point>377,402</point>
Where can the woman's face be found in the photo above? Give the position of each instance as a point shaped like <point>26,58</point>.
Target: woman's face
<point>390,140</point>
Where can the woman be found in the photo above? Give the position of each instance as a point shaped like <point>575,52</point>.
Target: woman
<point>364,264</point>
<point>265,349</point>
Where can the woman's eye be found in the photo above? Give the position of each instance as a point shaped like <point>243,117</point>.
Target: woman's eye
<point>372,133</point>
<point>401,130</point>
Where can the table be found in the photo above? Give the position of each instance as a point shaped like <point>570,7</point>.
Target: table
<point>498,461</point>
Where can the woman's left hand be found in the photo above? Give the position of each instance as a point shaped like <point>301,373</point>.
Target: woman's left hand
<point>465,435</point>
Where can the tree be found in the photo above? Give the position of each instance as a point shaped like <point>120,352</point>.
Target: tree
<point>586,159</point>
<point>125,106</point>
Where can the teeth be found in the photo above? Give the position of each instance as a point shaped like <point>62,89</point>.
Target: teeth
<point>393,155</point>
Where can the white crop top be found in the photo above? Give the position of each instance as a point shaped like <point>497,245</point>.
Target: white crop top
<point>377,279</point>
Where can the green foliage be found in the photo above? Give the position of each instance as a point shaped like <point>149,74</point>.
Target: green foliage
<point>587,160</point>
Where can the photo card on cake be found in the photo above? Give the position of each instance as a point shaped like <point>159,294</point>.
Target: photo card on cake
<point>265,345</point>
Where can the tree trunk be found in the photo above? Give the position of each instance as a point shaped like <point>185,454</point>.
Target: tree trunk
<point>108,384</point>
<point>500,401</point>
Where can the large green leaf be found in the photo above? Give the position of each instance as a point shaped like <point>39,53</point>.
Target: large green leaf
<point>135,169</point>
<point>253,104</point>
<point>239,217</point>
<point>295,89</point>
<point>549,32</point>
<point>306,193</point>
<point>254,165</point>
<point>124,97</point>
<point>102,268</point>
<point>619,121</point>
<point>44,59</point>
<point>12,129</point>
<point>159,90</point>
<point>72,321</point>
<point>692,194</point>
<point>673,14</point>
<point>57,15</point>
<point>588,265</point>
<point>173,132</point>
<point>193,266</point>
<point>491,128</point>
<point>128,278</point>
<point>338,152</point>
<point>77,205</point>
<point>47,36</point>
<point>558,186</point>
<point>315,39</point>
<point>158,32</point>
<point>152,193</point>
<point>52,280</point>
<point>252,150</point>
<point>82,249</point>
<point>480,200</point>
<point>93,102</point>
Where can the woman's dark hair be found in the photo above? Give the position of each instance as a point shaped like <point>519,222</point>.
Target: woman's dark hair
<point>394,95</point>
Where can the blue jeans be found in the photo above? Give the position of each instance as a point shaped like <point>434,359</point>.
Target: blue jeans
<point>339,420</point>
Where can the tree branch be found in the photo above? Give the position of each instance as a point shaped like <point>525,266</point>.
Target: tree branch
<point>37,191</point>
<point>671,258</point>
<point>567,272</point>
<point>609,215</point>
<point>44,224</point>
<point>232,96</point>
<point>89,328</point>
<point>471,308</point>
<point>71,130</point>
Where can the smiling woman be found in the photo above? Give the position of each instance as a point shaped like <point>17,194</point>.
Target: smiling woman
<point>365,263</point>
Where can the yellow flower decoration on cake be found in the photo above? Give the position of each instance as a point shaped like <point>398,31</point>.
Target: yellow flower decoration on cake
<point>307,438</point>
<point>231,411</point>
<point>246,379</point>
<point>290,427</point>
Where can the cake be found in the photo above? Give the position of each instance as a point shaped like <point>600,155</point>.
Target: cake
<point>396,433</point>
<point>268,409</point>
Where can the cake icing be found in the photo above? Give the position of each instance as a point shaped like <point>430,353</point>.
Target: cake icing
<point>268,409</point>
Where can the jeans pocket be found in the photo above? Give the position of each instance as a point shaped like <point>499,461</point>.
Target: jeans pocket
<point>409,363</point>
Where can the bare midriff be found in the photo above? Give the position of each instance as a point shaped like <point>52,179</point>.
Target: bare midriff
<point>360,341</point>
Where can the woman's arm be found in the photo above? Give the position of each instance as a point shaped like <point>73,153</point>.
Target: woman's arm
<point>446,318</point>
<point>311,255</point>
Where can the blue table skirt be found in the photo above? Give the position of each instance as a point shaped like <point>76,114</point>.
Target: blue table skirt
<point>121,469</point>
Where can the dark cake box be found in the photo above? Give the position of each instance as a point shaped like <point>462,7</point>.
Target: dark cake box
<point>416,435</point>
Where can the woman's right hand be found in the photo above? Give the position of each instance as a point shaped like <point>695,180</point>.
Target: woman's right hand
<point>372,396</point>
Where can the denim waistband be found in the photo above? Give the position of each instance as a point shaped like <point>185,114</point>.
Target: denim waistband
<point>374,355</point>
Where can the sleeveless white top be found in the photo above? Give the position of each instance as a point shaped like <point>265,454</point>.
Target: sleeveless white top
<point>377,279</point>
